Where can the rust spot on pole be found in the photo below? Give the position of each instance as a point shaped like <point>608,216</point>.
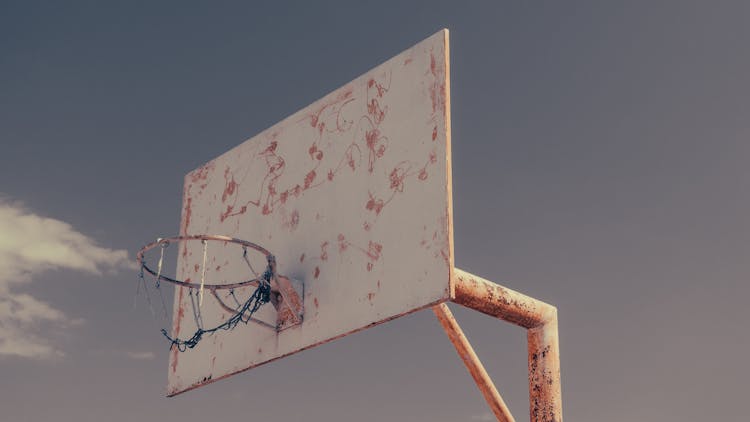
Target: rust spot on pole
<point>545,399</point>
<point>492,299</point>
<point>472,362</point>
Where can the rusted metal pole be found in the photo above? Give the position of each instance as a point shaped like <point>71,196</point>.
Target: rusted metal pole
<point>492,299</point>
<point>545,400</point>
<point>540,320</point>
<point>472,362</point>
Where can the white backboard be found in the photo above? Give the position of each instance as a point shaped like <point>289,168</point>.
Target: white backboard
<point>352,194</point>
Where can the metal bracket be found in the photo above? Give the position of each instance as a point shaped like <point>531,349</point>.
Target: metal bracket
<point>287,298</point>
<point>540,321</point>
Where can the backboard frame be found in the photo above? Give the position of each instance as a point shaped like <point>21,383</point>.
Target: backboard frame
<point>385,189</point>
<point>538,318</point>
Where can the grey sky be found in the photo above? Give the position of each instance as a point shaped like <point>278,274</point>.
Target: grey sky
<point>599,163</point>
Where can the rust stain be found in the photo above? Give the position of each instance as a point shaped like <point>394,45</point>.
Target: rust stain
<point>340,99</point>
<point>271,148</point>
<point>229,185</point>
<point>316,273</point>
<point>375,145</point>
<point>545,402</point>
<point>188,215</point>
<point>349,157</point>
<point>380,88</point>
<point>373,250</point>
<point>446,256</point>
<point>376,111</point>
<point>292,222</point>
<point>201,173</point>
<point>374,204</point>
<point>495,300</point>
<point>315,153</point>
<point>342,243</point>
<point>437,89</point>
<point>397,176</point>
<point>309,179</point>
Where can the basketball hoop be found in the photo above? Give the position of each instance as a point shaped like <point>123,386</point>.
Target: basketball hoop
<point>270,287</point>
<point>164,242</point>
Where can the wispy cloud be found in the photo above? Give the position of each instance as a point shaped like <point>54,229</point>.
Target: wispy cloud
<point>29,245</point>
<point>140,355</point>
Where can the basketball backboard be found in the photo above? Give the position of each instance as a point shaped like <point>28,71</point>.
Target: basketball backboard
<point>351,194</point>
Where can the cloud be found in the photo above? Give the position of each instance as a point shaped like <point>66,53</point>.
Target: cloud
<point>140,355</point>
<point>123,354</point>
<point>30,245</point>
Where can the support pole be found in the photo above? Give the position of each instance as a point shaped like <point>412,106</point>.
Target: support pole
<point>540,320</point>
<point>472,362</point>
<point>545,403</point>
<point>495,300</point>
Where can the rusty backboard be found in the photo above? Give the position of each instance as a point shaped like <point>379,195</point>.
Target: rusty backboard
<point>352,195</point>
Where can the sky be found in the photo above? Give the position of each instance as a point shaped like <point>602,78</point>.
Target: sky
<point>599,164</point>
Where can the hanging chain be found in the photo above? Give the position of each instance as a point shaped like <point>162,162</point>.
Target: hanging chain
<point>243,314</point>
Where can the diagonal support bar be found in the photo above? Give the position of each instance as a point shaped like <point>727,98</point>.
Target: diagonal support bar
<point>540,320</point>
<point>472,362</point>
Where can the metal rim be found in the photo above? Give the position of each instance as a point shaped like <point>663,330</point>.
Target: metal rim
<point>206,237</point>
